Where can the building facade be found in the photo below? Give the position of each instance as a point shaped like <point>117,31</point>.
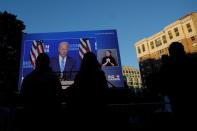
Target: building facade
<point>132,77</point>
<point>149,50</point>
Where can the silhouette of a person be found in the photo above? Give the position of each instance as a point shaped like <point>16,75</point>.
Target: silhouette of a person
<point>87,95</point>
<point>40,90</point>
<point>163,74</point>
<point>178,83</point>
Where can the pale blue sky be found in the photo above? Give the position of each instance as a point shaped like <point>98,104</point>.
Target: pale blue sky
<point>133,19</point>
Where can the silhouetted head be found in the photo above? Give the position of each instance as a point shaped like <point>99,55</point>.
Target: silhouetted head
<point>63,49</point>
<point>89,62</point>
<point>108,53</point>
<point>42,62</point>
<point>176,50</point>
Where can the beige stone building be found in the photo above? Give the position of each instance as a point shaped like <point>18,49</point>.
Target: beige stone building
<point>149,50</point>
<point>132,77</point>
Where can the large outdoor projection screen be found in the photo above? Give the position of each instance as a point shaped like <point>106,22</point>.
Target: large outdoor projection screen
<point>99,42</point>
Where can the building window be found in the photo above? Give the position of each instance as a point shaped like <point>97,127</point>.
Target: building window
<point>193,38</point>
<point>139,50</point>
<point>176,31</point>
<point>164,39</point>
<point>170,34</point>
<point>143,48</point>
<point>189,28</point>
<point>152,45</point>
<point>162,51</point>
<point>158,42</point>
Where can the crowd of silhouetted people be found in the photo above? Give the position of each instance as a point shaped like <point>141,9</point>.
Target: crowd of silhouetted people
<point>41,93</point>
<point>176,81</point>
<point>85,104</point>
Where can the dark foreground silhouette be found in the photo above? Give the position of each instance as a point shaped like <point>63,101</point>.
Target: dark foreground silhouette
<point>178,82</point>
<point>87,96</point>
<point>90,105</point>
<point>40,90</point>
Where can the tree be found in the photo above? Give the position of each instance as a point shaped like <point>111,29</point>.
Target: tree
<point>11,32</point>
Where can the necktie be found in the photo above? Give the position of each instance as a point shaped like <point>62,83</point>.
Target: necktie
<point>62,65</point>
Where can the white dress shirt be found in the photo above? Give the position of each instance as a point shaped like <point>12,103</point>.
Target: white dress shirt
<point>60,60</point>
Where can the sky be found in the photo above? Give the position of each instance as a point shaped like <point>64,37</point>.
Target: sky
<point>133,19</point>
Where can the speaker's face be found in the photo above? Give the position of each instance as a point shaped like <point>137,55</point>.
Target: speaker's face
<point>63,49</point>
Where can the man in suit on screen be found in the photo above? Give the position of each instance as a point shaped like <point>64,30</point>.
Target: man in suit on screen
<point>63,64</point>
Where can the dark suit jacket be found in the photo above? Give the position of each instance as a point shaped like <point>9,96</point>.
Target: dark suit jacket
<point>69,69</point>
